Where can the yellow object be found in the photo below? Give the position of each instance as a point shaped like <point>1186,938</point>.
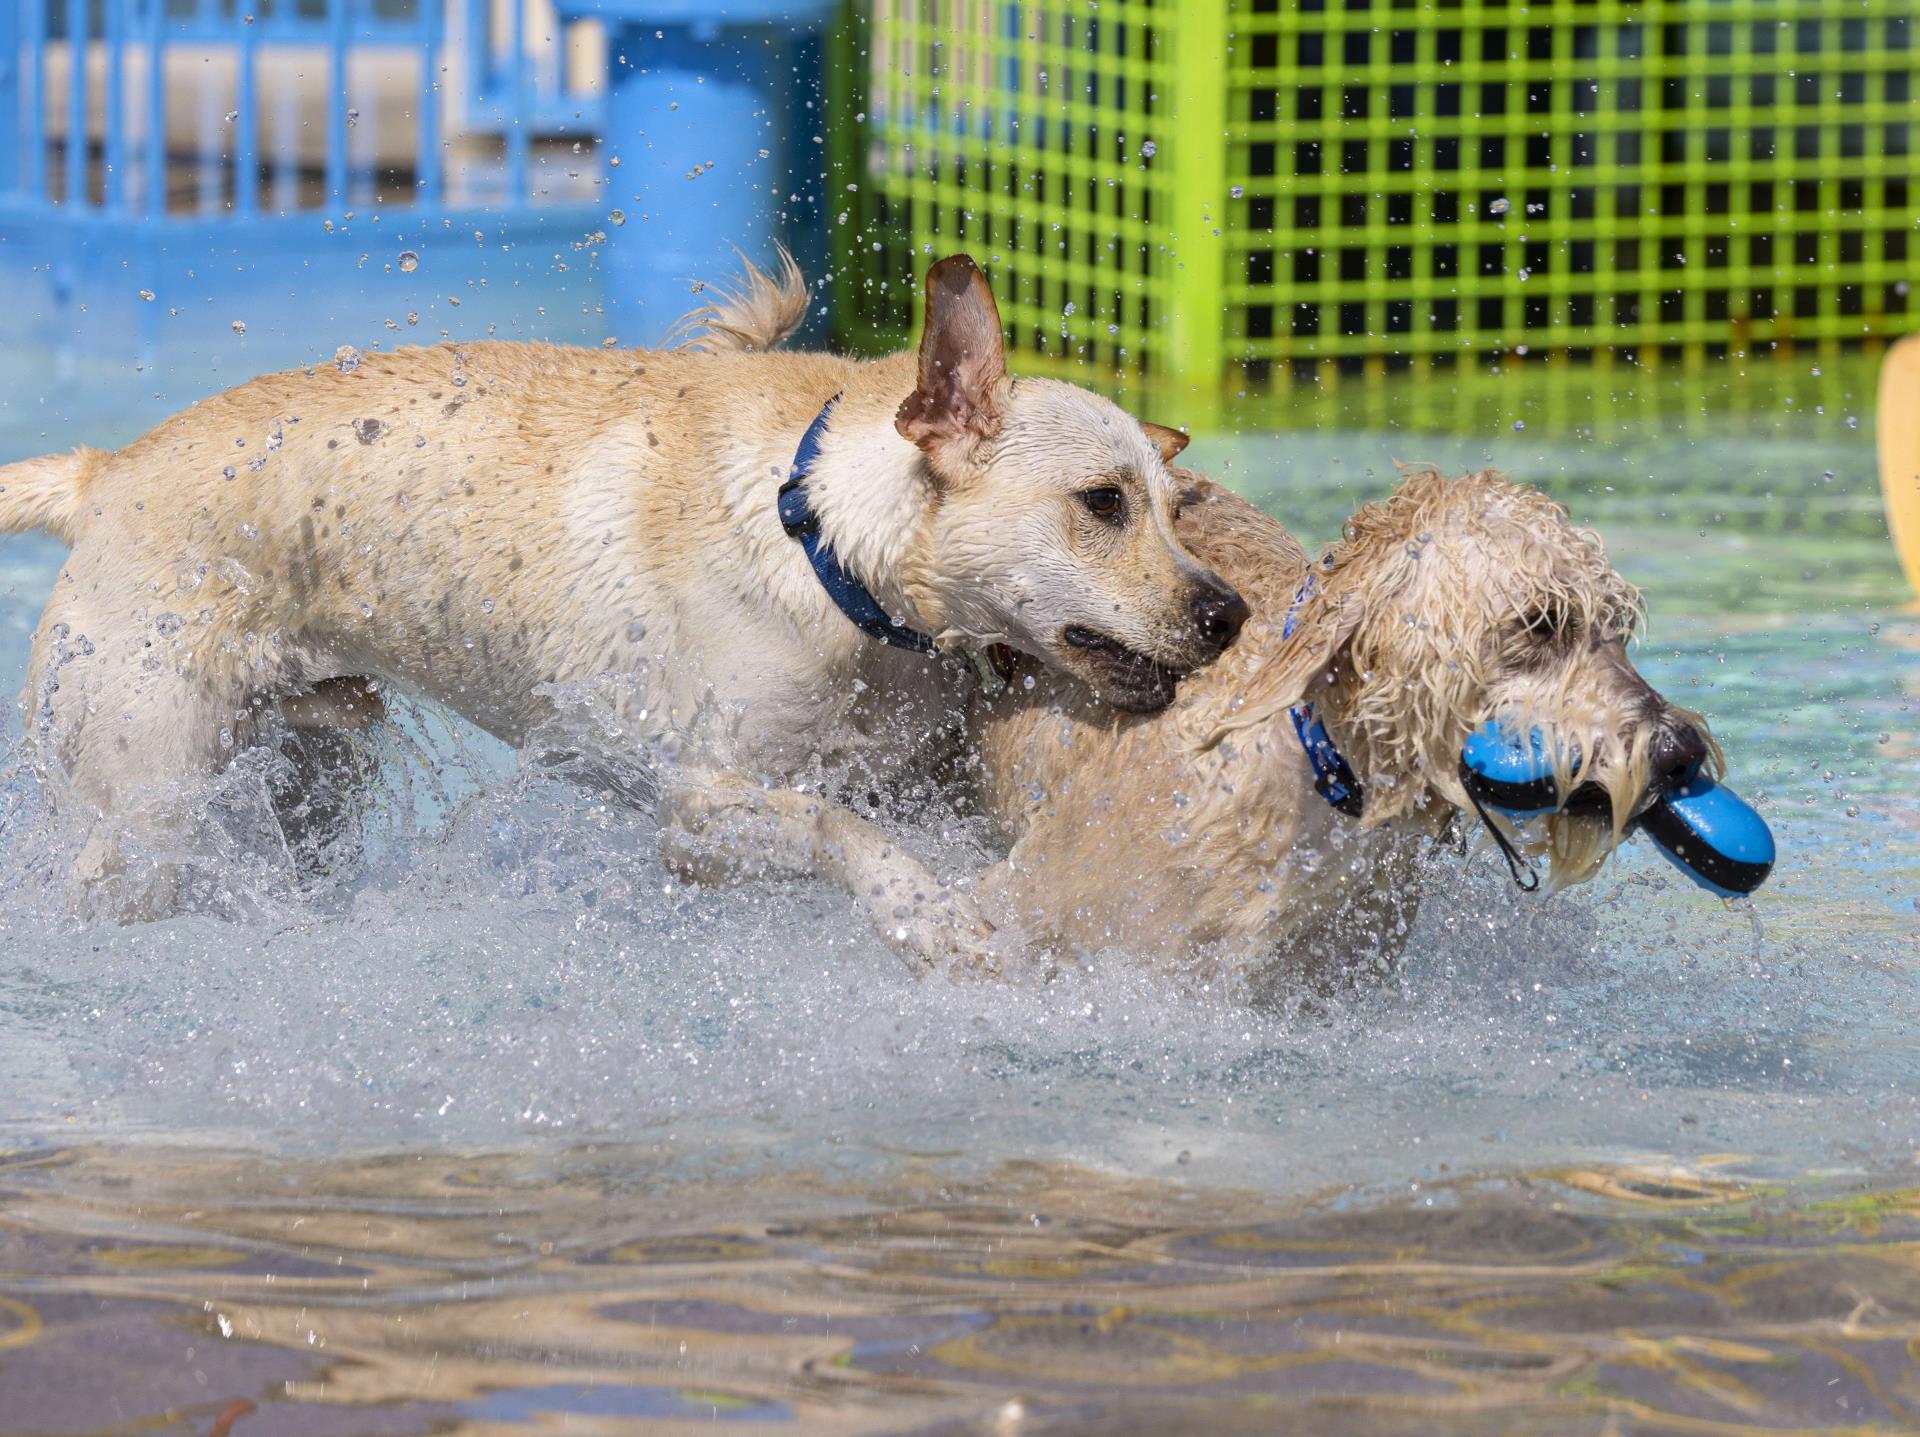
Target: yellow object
<point>1898,438</point>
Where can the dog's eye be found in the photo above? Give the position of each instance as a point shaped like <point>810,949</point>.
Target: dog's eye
<point>1549,621</point>
<point>1106,504</point>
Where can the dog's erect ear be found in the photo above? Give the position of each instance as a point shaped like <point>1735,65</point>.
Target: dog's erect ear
<point>1168,441</point>
<point>963,367</point>
<point>1327,624</point>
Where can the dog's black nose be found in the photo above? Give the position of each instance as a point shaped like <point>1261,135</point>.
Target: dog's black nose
<point>1218,613</point>
<point>1677,753</point>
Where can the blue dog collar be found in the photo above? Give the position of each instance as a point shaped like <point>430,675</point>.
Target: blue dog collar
<point>1333,779</point>
<point>849,595</point>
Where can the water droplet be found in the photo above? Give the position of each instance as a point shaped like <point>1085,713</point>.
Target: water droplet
<point>636,631</point>
<point>1237,191</point>
<point>1027,683</point>
<point>147,295</point>
<point>229,472</point>
<point>239,326</point>
<point>486,606</point>
<point>1499,206</point>
<point>408,261</point>
<point>346,359</point>
<point>1148,149</point>
<point>232,115</point>
<point>618,217</point>
<point>1518,425</point>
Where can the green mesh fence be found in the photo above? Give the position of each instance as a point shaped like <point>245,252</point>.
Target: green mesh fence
<point>1232,195</point>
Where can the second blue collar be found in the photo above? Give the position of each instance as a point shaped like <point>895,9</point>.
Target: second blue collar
<point>1333,779</point>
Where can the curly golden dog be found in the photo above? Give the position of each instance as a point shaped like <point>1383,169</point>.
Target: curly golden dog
<point>1199,830</point>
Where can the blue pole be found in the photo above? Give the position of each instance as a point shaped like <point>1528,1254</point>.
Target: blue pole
<point>156,109</point>
<point>286,148</point>
<point>10,96</point>
<point>79,23</point>
<point>36,27</point>
<point>113,184</point>
<point>246,135</point>
<point>427,170</point>
<point>520,115</point>
<point>688,113</point>
<point>337,101</point>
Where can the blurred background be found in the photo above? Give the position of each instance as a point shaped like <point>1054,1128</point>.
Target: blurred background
<point>1212,200</point>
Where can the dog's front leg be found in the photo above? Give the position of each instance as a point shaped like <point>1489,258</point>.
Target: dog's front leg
<point>722,829</point>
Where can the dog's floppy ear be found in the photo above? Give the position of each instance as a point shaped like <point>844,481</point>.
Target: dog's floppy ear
<point>963,367</point>
<point>1327,623</point>
<point>1168,441</point>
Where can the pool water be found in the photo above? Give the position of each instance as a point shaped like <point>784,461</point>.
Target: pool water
<point>505,1127</point>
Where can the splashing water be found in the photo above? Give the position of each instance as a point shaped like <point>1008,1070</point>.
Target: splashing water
<point>504,960</point>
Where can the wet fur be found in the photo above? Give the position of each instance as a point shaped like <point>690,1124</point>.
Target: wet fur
<point>1196,833</point>
<point>488,524</point>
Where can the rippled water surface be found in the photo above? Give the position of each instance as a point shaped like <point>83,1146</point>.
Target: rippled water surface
<point>885,1203</point>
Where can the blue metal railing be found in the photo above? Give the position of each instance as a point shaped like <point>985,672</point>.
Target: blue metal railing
<point>86,123</point>
<point>511,87</point>
<point>149,143</point>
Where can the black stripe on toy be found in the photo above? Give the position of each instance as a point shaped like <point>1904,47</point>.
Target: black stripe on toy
<point>1667,828</point>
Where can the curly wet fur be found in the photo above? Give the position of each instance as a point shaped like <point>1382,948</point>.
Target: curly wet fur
<point>1197,833</point>
<point>1459,600</point>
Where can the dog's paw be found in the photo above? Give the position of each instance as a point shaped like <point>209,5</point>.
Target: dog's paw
<point>949,935</point>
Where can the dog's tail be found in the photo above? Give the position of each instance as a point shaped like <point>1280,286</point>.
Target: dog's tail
<point>44,493</point>
<point>756,314</point>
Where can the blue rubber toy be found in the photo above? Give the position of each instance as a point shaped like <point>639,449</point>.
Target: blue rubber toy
<point>1713,837</point>
<point>1699,826</point>
<point>1508,771</point>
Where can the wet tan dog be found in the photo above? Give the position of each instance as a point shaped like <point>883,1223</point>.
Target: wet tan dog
<point>1198,832</point>
<point>487,524</point>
